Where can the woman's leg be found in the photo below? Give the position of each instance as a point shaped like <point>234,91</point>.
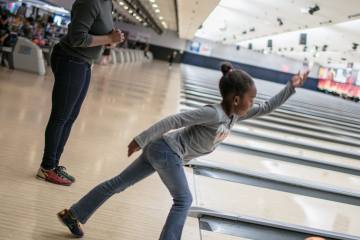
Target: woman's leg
<point>87,205</point>
<point>69,81</point>
<point>74,114</point>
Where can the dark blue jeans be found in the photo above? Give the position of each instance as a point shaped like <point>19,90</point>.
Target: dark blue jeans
<point>72,78</point>
<point>159,157</point>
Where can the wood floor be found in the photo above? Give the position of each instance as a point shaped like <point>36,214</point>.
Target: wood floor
<point>122,101</point>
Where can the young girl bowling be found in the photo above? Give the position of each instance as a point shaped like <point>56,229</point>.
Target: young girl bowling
<point>198,132</point>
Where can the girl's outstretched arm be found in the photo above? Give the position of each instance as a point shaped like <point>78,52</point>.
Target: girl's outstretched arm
<point>264,108</point>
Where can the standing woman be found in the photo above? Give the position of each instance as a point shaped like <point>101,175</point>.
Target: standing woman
<point>91,27</point>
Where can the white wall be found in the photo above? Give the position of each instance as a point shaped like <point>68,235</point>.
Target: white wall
<point>170,39</point>
<point>167,39</point>
<point>246,56</point>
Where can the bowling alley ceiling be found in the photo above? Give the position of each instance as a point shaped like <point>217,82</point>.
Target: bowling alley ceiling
<point>238,20</point>
<point>331,25</point>
<point>331,28</point>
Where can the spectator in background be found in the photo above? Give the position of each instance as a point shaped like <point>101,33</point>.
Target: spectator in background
<point>4,26</point>
<point>21,12</point>
<point>147,50</point>
<point>9,40</point>
<point>27,28</point>
<point>39,35</point>
<point>171,58</point>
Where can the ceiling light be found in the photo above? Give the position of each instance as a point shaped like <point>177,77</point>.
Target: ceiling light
<point>161,18</point>
<point>126,7</point>
<point>131,11</point>
<point>121,3</point>
<point>154,5</point>
<point>314,9</point>
<point>355,46</point>
<point>152,1</point>
<point>157,10</point>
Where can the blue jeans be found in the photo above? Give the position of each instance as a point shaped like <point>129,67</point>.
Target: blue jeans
<point>157,156</point>
<point>72,78</point>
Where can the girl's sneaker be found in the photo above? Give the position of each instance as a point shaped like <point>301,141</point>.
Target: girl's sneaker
<point>71,222</point>
<point>61,170</point>
<point>53,176</point>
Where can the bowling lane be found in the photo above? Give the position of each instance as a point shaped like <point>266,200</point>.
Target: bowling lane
<point>268,204</point>
<point>349,132</point>
<point>303,97</point>
<point>229,158</point>
<point>298,131</point>
<point>189,104</point>
<point>297,139</point>
<point>207,235</point>
<point>293,151</point>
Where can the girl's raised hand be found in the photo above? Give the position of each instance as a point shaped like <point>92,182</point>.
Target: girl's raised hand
<point>299,79</point>
<point>133,147</point>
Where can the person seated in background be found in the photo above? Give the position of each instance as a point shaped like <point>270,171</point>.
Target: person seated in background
<point>38,37</point>
<point>27,28</point>
<point>21,10</point>
<point>8,40</point>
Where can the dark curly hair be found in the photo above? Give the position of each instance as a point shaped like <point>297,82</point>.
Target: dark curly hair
<point>234,81</point>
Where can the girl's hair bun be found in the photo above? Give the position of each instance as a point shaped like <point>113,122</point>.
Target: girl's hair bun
<point>225,68</point>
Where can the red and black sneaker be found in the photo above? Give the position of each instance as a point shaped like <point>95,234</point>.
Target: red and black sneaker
<point>61,170</point>
<point>66,218</point>
<point>53,176</point>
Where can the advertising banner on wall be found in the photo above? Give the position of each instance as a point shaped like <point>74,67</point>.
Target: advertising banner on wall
<point>341,81</point>
<point>200,48</point>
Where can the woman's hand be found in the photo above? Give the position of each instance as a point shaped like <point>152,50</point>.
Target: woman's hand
<point>117,36</point>
<point>299,79</point>
<point>133,147</point>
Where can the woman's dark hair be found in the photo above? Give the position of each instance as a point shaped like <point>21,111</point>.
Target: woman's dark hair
<point>234,81</point>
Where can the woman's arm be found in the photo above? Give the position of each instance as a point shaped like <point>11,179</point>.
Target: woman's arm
<point>115,36</point>
<point>83,15</point>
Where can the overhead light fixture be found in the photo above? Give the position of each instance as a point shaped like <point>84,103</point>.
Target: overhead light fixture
<point>354,46</point>
<point>164,24</point>
<point>161,18</point>
<point>157,10</point>
<point>152,1</point>
<point>121,3</point>
<point>314,9</point>
<point>154,5</point>
<point>126,7</point>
